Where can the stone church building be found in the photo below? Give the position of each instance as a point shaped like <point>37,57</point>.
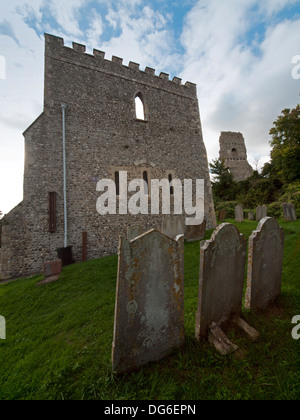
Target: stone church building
<point>90,130</point>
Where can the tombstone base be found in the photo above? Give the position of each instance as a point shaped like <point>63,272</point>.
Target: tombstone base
<point>252,333</point>
<point>219,339</point>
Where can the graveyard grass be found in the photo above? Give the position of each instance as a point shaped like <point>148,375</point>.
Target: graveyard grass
<point>59,339</point>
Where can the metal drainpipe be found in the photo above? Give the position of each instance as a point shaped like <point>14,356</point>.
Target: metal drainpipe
<point>63,107</point>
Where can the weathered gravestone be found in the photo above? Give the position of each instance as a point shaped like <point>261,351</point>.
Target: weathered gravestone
<point>265,256</point>
<point>261,212</point>
<point>173,226</point>
<point>239,213</point>
<point>250,215</point>
<point>149,311</point>
<point>52,270</point>
<point>134,231</point>
<point>289,214</point>
<point>195,232</point>
<point>222,215</point>
<point>222,270</point>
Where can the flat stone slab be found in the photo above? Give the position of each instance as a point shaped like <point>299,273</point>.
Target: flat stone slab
<point>220,341</point>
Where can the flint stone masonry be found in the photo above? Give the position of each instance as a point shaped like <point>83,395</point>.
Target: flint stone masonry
<point>195,232</point>
<point>103,135</point>
<point>265,256</point>
<point>149,310</point>
<point>261,212</point>
<point>289,214</point>
<point>239,213</point>
<point>233,152</point>
<point>221,278</point>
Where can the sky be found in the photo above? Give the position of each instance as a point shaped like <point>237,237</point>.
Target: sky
<point>244,56</point>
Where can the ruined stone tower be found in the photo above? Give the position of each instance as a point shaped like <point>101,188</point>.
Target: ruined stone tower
<point>91,103</point>
<point>233,152</point>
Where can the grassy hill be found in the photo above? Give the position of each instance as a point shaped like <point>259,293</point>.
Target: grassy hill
<point>59,340</point>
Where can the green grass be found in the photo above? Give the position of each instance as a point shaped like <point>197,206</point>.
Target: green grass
<point>59,340</point>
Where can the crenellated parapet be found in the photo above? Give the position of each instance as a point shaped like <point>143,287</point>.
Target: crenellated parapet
<point>77,55</point>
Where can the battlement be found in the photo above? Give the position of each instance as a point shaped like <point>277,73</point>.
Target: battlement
<point>55,48</point>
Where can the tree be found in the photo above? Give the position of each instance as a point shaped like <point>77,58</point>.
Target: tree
<point>285,143</point>
<point>223,184</point>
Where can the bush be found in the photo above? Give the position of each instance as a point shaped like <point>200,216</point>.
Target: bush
<point>275,210</point>
<point>228,206</point>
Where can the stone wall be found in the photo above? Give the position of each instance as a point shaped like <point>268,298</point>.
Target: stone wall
<point>233,151</point>
<point>102,135</point>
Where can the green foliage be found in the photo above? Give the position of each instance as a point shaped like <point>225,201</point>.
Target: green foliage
<point>223,185</point>
<point>291,194</point>
<point>285,143</point>
<point>279,180</point>
<point>228,206</point>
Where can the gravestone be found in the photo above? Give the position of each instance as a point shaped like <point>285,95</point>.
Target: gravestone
<point>239,213</point>
<point>221,278</point>
<point>134,231</point>
<point>251,215</point>
<point>195,232</point>
<point>173,226</point>
<point>222,215</point>
<point>289,214</point>
<point>261,212</point>
<point>265,256</point>
<point>52,270</point>
<point>149,311</point>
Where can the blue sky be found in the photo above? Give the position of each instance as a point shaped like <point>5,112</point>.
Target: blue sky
<point>239,53</point>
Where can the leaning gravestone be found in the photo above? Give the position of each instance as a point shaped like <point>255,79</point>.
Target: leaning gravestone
<point>289,214</point>
<point>239,213</point>
<point>173,226</point>
<point>222,270</point>
<point>149,311</point>
<point>265,255</point>
<point>261,212</point>
<point>195,232</point>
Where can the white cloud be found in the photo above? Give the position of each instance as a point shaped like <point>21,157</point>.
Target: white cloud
<point>242,86</point>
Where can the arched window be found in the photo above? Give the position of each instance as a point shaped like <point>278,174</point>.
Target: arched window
<point>171,186</point>
<point>117,182</point>
<point>139,107</point>
<point>145,178</point>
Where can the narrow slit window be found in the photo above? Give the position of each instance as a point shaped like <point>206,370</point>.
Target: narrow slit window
<point>117,182</point>
<point>171,186</point>
<point>139,108</point>
<point>145,178</point>
<point>52,212</point>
